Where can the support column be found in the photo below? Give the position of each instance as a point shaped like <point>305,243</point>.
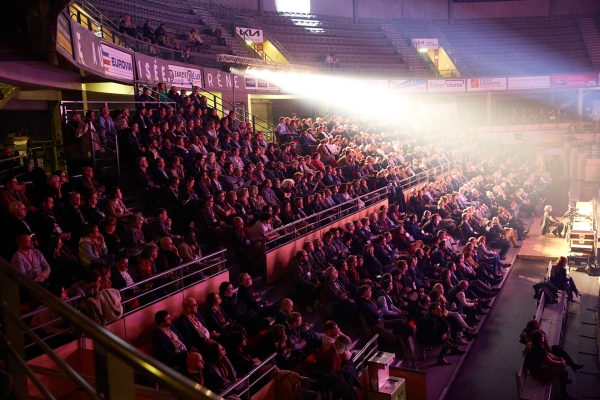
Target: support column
<point>450,11</point>
<point>489,109</point>
<point>354,11</point>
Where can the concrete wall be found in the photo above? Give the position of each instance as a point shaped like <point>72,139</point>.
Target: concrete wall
<point>423,9</point>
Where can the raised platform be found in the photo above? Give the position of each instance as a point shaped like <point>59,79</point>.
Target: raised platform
<point>538,247</point>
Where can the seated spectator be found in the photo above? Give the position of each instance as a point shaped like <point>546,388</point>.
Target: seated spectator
<point>170,347</point>
<point>336,293</point>
<point>434,330</point>
<point>219,369</point>
<point>17,224</point>
<point>305,280</point>
<point>115,207</point>
<point>88,184</point>
<point>240,358</point>
<point>65,267</point>
<point>47,221</point>
<point>496,239</point>
<point>252,299</point>
<point>92,212</point>
<point>373,317</point>
<point>262,231</point>
<point>332,331</point>
<point>217,320</point>
<point>563,281</point>
<point>30,261</point>
<point>88,287</point>
<point>10,194</point>
<point>286,307</point>
<point>192,327</point>
<point>134,238</point>
<point>124,275</point>
<point>334,357</point>
<point>195,368</point>
<point>386,303</point>
<point>74,217</point>
<point>92,247</point>
<point>543,368</point>
<point>160,226</point>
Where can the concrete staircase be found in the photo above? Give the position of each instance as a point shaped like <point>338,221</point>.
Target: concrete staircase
<point>408,54</point>
<point>591,37</point>
<point>443,41</point>
<point>236,48</point>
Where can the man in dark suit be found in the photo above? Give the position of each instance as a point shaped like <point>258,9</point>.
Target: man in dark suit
<point>74,217</point>
<point>45,222</point>
<point>143,177</point>
<point>170,347</point>
<point>328,179</point>
<point>192,327</point>
<point>466,230</point>
<point>172,198</point>
<point>195,368</point>
<point>160,226</point>
<point>16,224</point>
<point>159,174</point>
<point>124,275</point>
<point>336,293</point>
<point>373,318</point>
<point>287,306</point>
<point>411,227</point>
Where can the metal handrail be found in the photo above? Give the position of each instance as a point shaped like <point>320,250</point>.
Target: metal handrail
<point>171,270</point>
<point>247,116</point>
<point>114,345</point>
<point>246,378</point>
<point>126,41</point>
<point>324,218</point>
<point>349,207</point>
<point>364,354</point>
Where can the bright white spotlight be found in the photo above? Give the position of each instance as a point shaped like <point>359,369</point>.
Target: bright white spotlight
<point>423,50</point>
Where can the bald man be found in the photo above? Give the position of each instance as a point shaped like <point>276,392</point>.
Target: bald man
<point>192,327</point>
<point>30,261</point>
<point>195,368</point>
<point>286,307</point>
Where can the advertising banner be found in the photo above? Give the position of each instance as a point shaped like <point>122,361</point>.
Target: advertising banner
<point>185,77</point>
<point>63,36</point>
<point>429,44</point>
<point>217,79</point>
<point>445,85</point>
<point>87,48</point>
<point>529,82</point>
<point>151,70</point>
<point>253,35</point>
<point>254,83</point>
<point>574,80</point>
<point>486,84</point>
<point>408,86</point>
<point>117,64</point>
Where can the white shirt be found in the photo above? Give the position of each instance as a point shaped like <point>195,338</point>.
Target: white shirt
<point>128,279</point>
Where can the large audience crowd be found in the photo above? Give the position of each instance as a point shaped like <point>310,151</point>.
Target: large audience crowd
<point>211,181</point>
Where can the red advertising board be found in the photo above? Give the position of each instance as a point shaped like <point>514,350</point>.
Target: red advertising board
<point>574,80</point>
